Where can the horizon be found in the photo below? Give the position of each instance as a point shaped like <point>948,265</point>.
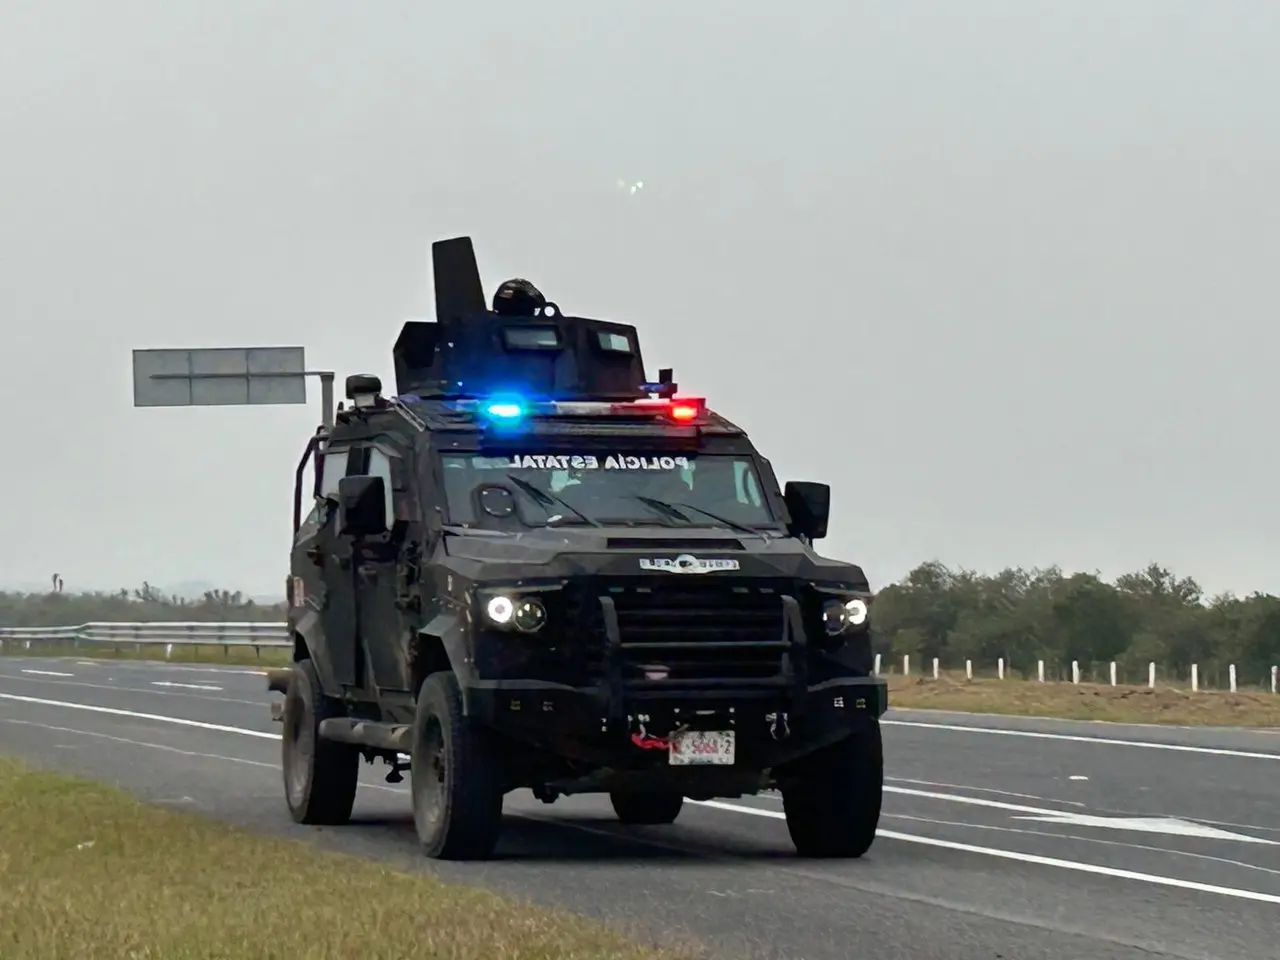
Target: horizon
<point>999,273</point>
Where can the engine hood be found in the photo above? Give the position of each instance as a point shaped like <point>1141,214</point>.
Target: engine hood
<point>619,551</point>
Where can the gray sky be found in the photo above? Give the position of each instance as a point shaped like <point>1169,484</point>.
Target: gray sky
<point>994,270</point>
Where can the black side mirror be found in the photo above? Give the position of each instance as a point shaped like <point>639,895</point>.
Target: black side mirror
<point>810,507</point>
<point>362,506</point>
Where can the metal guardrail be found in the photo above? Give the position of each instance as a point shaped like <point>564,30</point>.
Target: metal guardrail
<point>256,635</point>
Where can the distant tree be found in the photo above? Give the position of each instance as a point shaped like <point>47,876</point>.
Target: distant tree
<point>1029,615</point>
<point>144,603</point>
<point>934,611</point>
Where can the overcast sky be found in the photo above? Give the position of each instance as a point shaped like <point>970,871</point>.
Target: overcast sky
<point>995,269</point>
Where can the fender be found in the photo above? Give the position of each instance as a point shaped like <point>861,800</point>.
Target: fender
<point>449,631</point>
<point>303,649</point>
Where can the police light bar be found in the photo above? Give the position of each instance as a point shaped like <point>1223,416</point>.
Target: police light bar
<point>510,409</point>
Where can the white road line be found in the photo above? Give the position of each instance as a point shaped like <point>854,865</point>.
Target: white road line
<point>184,686</point>
<point>975,801</point>
<point>160,666</point>
<point>135,715</point>
<point>1114,724</point>
<point>1077,738</point>
<point>274,767</point>
<point>1002,793</point>
<point>119,689</point>
<point>48,673</point>
<point>1079,838</point>
<point>1029,858</point>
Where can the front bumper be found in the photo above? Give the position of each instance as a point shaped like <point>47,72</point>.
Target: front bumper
<point>770,729</point>
<point>775,718</point>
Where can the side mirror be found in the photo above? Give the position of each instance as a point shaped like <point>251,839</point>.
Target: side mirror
<point>810,507</point>
<point>362,506</point>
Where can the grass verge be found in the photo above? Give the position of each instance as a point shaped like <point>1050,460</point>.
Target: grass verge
<point>1087,701</point>
<point>89,871</point>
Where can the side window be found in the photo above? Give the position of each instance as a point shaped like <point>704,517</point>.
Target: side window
<point>745,484</point>
<point>335,468</point>
<point>380,466</point>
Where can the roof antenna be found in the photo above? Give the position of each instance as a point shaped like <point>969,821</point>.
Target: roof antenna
<point>666,386</point>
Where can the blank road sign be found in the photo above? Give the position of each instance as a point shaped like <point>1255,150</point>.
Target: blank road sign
<point>219,376</point>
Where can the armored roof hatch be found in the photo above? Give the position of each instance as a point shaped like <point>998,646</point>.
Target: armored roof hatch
<point>530,348</point>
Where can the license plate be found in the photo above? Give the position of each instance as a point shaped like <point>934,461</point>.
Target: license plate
<point>701,747</point>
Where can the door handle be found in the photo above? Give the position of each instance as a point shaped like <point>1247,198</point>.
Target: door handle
<point>316,556</point>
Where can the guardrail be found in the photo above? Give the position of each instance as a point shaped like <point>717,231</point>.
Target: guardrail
<point>168,634</point>
<point>1076,674</point>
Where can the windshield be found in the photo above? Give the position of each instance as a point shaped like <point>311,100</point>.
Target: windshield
<point>542,489</point>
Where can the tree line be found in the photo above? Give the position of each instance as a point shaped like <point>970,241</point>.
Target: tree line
<point>145,603</point>
<point>1027,616</point>
<point>1022,616</point>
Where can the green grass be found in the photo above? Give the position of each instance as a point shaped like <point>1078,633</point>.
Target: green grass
<point>1087,701</point>
<point>88,871</point>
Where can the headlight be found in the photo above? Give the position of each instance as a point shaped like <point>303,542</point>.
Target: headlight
<point>500,610</point>
<point>839,615</point>
<point>530,615</point>
<point>525,614</point>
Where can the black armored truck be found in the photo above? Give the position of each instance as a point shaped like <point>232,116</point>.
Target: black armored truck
<point>534,568</point>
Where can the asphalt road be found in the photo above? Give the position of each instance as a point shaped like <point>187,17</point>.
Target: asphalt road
<point>1002,837</point>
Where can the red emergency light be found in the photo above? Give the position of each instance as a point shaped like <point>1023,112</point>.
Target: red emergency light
<point>682,410</point>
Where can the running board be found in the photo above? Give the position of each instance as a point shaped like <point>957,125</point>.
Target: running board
<point>367,733</point>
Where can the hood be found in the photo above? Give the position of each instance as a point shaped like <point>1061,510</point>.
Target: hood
<point>618,551</point>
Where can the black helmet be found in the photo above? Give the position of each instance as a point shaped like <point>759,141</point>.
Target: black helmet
<point>518,298</point>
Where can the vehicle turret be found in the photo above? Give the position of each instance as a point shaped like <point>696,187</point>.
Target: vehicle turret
<point>525,345</point>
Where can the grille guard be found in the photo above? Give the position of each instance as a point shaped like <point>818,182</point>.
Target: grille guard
<point>791,679</point>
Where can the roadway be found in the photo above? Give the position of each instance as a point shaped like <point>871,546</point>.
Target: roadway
<point>1001,837</point>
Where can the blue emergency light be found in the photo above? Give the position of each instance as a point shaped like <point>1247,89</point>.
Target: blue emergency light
<point>504,409</point>
<point>507,409</point>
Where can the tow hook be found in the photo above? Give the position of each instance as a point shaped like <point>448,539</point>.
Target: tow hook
<point>645,740</point>
<point>779,729</point>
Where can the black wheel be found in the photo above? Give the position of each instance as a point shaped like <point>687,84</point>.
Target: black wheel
<point>832,799</point>
<point>456,776</point>
<point>647,808</point>
<point>320,776</point>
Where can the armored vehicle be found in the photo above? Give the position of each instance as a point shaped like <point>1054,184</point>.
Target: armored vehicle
<point>535,568</point>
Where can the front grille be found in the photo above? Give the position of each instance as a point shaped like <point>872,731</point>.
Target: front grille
<point>730,630</point>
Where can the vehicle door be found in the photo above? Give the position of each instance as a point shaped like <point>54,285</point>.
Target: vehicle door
<point>322,564</point>
<point>380,615</point>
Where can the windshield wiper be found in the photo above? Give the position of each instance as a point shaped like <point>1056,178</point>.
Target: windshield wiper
<point>671,509</point>
<point>547,499</point>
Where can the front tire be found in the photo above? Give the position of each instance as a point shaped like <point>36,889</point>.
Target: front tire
<point>646,808</point>
<point>456,776</point>
<point>320,776</point>
<point>832,800</point>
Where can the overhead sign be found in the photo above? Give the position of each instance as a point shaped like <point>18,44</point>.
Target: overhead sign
<point>219,376</point>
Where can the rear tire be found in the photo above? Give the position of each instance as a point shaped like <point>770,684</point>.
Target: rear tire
<point>456,773</point>
<point>320,776</point>
<point>832,799</point>
<point>646,808</point>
